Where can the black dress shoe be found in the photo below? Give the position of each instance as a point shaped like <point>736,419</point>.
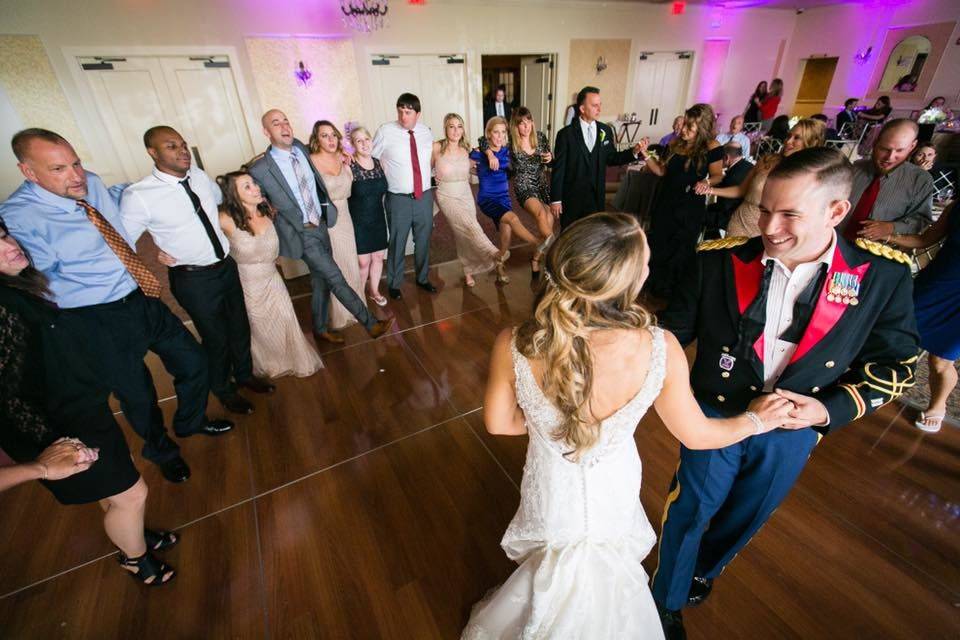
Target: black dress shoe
<point>395,293</point>
<point>427,286</point>
<point>236,403</point>
<point>699,591</point>
<point>175,470</point>
<point>672,622</point>
<point>215,428</point>
<point>258,385</point>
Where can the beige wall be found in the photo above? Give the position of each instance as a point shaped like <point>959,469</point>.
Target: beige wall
<point>612,81</point>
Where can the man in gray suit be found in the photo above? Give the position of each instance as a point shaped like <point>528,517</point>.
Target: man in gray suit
<point>304,213</point>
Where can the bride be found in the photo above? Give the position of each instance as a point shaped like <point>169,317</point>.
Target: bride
<point>578,377</point>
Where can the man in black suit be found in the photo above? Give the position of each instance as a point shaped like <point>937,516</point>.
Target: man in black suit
<point>582,153</point>
<point>497,105</point>
<point>304,213</point>
<point>735,170</point>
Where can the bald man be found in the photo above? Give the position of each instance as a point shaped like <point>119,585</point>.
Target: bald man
<point>890,195</point>
<point>304,214</point>
<point>177,205</point>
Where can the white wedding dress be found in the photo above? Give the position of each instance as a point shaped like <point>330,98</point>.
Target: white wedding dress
<point>580,533</point>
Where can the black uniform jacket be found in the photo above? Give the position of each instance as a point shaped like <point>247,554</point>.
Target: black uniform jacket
<point>852,357</point>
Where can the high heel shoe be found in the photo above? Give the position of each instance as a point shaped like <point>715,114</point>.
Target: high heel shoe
<point>502,277</point>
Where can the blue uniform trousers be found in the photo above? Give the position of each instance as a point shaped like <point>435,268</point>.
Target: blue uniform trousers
<point>719,498</point>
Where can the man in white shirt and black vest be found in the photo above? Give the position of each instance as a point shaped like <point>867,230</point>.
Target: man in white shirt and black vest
<point>177,205</point>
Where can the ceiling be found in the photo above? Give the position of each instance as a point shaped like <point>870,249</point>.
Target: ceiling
<point>738,4</point>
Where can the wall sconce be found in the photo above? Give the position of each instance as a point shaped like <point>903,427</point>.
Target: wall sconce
<point>302,74</point>
<point>862,55</point>
<point>601,64</point>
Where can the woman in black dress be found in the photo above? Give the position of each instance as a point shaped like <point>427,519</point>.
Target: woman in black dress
<point>366,208</point>
<point>752,112</point>
<point>48,393</point>
<point>678,212</point>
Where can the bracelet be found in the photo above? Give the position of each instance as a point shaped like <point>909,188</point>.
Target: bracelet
<point>757,422</point>
<point>46,471</point>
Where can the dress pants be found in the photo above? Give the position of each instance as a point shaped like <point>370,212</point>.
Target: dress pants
<point>327,279</point>
<point>718,500</point>
<point>404,214</point>
<point>214,299</point>
<point>118,335</point>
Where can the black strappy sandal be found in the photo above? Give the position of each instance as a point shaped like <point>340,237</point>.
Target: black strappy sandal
<point>149,571</point>
<point>159,540</point>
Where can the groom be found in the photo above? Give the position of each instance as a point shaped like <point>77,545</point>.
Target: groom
<point>826,323</point>
<point>304,213</point>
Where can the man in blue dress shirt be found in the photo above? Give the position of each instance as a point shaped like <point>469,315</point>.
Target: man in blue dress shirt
<point>65,218</point>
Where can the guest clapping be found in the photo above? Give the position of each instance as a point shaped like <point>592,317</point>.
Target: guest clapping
<point>366,209</point>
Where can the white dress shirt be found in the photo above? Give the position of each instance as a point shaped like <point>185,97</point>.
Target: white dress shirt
<point>391,146</point>
<point>499,106</point>
<point>589,131</point>
<point>785,287</point>
<point>159,205</point>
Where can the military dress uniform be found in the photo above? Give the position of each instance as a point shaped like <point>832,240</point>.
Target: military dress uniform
<point>856,346</point>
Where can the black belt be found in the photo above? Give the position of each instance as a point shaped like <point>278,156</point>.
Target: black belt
<point>192,267</point>
<point>409,195</point>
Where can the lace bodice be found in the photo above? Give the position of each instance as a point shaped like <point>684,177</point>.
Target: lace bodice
<point>452,169</point>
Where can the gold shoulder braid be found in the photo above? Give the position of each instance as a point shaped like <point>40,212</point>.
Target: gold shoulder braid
<point>722,243</point>
<point>884,251</point>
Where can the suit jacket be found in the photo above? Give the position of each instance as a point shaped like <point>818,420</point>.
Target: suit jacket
<point>289,221</point>
<point>579,175</point>
<point>843,118</point>
<point>490,110</point>
<point>852,358</point>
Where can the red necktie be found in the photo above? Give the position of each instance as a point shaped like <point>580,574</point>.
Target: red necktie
<point>863,209</point>
<point>415,159</point>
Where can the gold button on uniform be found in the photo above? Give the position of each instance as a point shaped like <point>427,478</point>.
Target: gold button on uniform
<point>829,364</point>
<point>815,390</point>
<point>725,374</point>
<point>726,349</point>
<point>753,388</point>
<point>721,399</point>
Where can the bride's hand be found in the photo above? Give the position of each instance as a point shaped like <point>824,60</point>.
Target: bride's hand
<point>774,411</point>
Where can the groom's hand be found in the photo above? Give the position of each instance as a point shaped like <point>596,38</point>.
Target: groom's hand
<point>806,409</point>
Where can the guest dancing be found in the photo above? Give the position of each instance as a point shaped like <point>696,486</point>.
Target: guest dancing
<point>54,409</point>
<point>326,155</point>
<point>494,194</point>
<point>366,210</point>
<point>277,343</point>
<point>578,377</point>
<point>936,304</point>
<point>451,164</point>
<point>678,212</point>
<point>531,157</point>
<point>752,112</point>
<point>771,102</point>
<point>847,118</point>
<point>805,134</point>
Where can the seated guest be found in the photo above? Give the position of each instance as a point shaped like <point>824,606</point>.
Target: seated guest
<point>878,112</point>
<point>277,345</point>
<point>736,135</point>
<point>933,114</point>
<point>779,128</point>
<point>889,195</point>
<point>936,299</point>
<point>830,132</point>
<point>847,117</point>
<point>497,105</point>
<point>177,205</point>
<point>55,419</point>
<point>925,157</point>
<point>677,126</point>
<point>65,218</point>
<point>735,170</point>
<point>367,197</point>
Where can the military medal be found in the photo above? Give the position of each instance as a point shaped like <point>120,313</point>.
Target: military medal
<point>727,361</point>
<point>844,288</point>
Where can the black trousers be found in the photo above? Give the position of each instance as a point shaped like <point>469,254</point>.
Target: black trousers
<point>118,335</point>
<point>214,300</point>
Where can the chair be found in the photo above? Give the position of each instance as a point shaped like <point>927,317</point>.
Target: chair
<point>846,131</point>
<point>751,127</point>
<point>943,187</point>
<point>767,146</point>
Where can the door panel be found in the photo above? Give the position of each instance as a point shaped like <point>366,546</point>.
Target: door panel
<point>534,86</point>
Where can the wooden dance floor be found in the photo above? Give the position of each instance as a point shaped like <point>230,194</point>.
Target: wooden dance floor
<point>368,502</point>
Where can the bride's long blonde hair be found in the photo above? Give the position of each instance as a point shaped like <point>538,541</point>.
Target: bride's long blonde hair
<point>592,277</point>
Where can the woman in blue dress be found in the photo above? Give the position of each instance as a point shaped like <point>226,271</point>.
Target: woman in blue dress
<point>494,195</point>
<point>936,300</point>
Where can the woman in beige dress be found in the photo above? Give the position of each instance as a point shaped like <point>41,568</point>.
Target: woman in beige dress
<point>745,220</point>
<point>277,343</point>
<point>451,164</point>
<point>326,154</point>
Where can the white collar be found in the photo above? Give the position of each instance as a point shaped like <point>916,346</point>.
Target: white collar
<point>826,257</point>
<point>169,179</point>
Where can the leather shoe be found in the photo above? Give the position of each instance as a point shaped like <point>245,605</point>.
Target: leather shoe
<point>215,427</point>
<point>380,327</point>
<point>699,591</point>
<point>395,293</point>
<point>427,286</point>
<point>258,385</point>
<point>237,404</point>
<point>333,337</point>
<point>672,622</point>
<point>175,470</point>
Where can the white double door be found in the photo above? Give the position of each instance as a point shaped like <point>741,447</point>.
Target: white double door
<point>196,96</point>
<point>536,90</point>
<point>660,90</point>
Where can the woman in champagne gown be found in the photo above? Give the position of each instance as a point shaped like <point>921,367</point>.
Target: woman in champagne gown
<point>580,534</point>
<point>326,154</point>
<point>451,164</point>
<point>277,343</point>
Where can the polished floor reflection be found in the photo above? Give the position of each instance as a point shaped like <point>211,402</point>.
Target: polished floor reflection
<point>367,501</point>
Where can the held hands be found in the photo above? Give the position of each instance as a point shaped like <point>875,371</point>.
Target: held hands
<point>875,230</point>
<point>809,411</point>
<point>702,188</point>
<point>166,259</point>
<point>641,146</point>
<point>66,457</point>
<point>776,412</point>
<point>493,161</point>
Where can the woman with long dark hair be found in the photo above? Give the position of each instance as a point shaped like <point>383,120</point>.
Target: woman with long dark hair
<point>752,112</point>
<point>771,102</point>
<point>277,344</point>
<point>678,212</point>
<point>51,397</point>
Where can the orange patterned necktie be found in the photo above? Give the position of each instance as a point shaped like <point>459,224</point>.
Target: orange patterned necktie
<point>131,261</point>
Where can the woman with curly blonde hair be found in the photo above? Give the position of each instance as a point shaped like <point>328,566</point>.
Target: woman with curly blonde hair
<point>577,377</point>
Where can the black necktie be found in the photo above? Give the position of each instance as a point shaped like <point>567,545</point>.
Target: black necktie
<point>754,317</point>
<point>204,220</point>
<point>803,307</point>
